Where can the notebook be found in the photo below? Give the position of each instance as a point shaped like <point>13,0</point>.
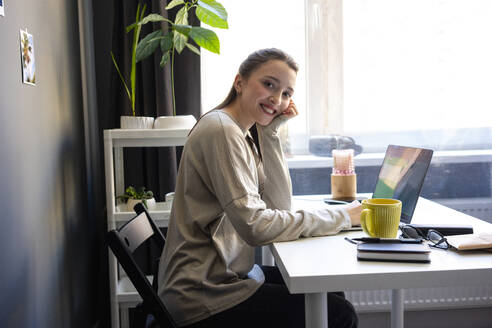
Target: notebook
<point>393,252</point>
<point>401,176</point>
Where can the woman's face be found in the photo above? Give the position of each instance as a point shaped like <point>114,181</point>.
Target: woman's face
<point>267,92</point>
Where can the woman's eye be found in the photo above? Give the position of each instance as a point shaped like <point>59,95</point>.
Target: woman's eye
<point>287,95</point>
<point>268,84</point>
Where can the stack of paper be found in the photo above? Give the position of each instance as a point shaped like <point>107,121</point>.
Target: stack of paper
<point>393,252</point>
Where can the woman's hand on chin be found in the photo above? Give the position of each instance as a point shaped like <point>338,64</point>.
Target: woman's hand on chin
<point>291,110</point>
<point>287,114</point>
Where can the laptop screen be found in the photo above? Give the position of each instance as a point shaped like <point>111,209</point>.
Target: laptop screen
<point>402,175</point>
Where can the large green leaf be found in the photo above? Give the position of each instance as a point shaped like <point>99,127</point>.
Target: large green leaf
<point>148,45</point>
<point>174,3</point>
<point>153,18</point>
<point>212,13</point>
<point>181,36</point>
<point>167,42</point>
<point>179,41</point>
<point>183,29</point>
<point>164,59</point>
<point>181,17</point>
<point>193,48</point>
<point>206,39</point>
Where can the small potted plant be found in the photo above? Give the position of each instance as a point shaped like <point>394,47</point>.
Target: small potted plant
<point>133,122</point>
<point>133,196</point>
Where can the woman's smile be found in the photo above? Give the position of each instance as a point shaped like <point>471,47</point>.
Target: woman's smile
<point>268,109</point>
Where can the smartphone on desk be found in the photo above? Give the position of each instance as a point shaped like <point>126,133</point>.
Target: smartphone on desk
<point>335,202</point>
<point>331,201</point>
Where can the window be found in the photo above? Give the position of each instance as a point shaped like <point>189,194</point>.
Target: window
<point>413,72</point>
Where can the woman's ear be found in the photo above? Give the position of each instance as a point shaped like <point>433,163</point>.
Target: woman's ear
<point>238,83</point>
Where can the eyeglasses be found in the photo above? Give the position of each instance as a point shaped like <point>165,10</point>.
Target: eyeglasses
<point>433,236</point>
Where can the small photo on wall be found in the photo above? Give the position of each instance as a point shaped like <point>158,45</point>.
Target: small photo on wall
<point>2,11</point>
<point>27,58</point>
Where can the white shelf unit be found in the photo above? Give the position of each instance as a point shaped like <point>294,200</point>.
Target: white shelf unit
<point>122,293</point>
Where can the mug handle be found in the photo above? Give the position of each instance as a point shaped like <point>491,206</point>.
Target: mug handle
<point>366,214</point>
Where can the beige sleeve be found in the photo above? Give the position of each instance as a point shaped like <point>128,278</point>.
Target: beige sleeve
<point>225,155</point>
<point>278,187</point>
<point>258,225</point>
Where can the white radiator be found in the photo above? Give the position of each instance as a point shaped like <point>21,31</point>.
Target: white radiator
<point>423,298</point>
<point>439,297</point>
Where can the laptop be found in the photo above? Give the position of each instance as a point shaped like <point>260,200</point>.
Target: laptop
<point>401,176</point>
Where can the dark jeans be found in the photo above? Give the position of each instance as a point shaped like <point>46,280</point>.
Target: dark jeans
<point>273,306</point>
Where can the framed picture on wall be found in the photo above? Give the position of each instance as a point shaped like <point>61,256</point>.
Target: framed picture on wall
<point>2,11</point>
<point>27,58</point>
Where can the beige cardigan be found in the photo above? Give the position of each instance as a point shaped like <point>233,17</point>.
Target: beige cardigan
<point>218,217</point>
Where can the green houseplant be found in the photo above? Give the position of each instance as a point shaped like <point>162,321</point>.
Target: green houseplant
<point>133,121</point>
<point>209,12</point>
<point>133,196</point>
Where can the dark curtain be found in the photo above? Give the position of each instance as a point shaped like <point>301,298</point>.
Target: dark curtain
<point>153,168</point>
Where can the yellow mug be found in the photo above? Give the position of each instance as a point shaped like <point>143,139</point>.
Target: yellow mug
<point>380,217</point>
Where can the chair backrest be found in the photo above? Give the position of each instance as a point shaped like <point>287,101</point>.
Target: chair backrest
<point>123,242</point>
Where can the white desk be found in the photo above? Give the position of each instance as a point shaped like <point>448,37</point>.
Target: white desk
<point>315,266</point>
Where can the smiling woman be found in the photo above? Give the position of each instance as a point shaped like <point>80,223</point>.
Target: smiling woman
<point>234,194</point>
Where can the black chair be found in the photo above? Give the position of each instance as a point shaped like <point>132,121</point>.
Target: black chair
<point>123,242</point>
